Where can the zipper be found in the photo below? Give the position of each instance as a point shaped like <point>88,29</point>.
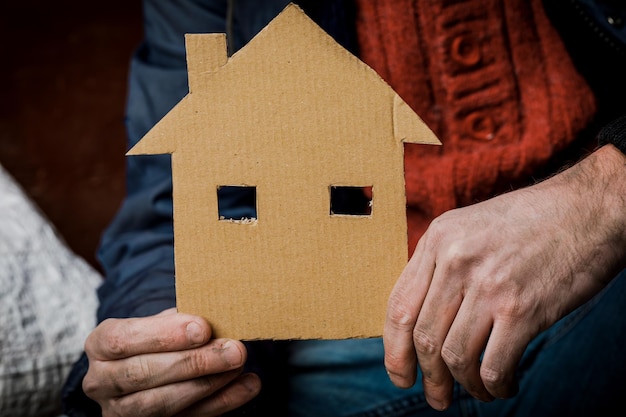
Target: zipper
<point>603,33</point>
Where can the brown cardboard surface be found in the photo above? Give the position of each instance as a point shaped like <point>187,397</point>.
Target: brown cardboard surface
<point>292,114</point>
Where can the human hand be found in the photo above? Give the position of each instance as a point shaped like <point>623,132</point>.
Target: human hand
<point>165,365</point>
<point>488,278</point>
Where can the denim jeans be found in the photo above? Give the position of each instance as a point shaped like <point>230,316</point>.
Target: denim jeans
<point>575,368</point>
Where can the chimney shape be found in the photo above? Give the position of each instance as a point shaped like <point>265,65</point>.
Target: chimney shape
<point>205,53</point>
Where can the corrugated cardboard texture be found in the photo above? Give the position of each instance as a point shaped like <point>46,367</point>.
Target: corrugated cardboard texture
<point>292,114</point>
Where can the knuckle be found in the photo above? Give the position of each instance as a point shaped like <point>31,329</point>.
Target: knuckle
<point>433,236</point>
<point>90,343</point>
<point>511,312</point>
<point>90,385</point>
<point>459,258</point>
<point>454,360</point>
<point>437,225</point>
<point>115,340</point>
<point>425,344</point>
<point>398,311</point>
<point>100,380</point>
<point>195,363</point>
<point>137,374</point>
<point>492,378</point>
<point>116,346</point>
<point>128,406</point>
<point>442,226</point>
<point>395,363</point>
<point>514,307</point>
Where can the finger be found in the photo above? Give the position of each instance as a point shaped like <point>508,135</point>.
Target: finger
<point>403,308</point>
<point>502,355</point>
<point>232,396</point>
<point>167,400</point>
<point>464,345</point>
<point>433,324</point>
<point>167,332</point>
<point>143,372</point>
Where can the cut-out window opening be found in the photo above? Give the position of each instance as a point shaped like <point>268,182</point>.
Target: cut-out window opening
<point>237,203</point>
<point>350,201</point>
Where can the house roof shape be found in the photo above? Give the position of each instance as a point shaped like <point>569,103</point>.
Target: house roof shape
<point>292,113</point>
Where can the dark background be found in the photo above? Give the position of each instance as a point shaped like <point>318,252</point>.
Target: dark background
<point>63,79</point>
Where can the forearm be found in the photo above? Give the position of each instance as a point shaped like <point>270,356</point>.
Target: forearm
<point>592,194</point>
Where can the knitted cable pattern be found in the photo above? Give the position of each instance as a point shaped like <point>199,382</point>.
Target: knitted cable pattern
<point>491,78</point>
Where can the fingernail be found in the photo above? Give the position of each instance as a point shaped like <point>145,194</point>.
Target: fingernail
<point>195,333</point>
<point>231,353</point>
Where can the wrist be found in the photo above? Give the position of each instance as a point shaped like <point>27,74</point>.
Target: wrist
<point>615,134</point>
<point>596,189</point>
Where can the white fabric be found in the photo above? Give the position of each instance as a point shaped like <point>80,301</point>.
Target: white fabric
<point>47,307</point>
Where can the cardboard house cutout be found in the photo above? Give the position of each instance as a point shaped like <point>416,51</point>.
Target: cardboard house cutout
<point>292,115</point>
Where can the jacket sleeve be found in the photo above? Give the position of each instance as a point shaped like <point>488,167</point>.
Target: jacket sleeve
<point>136,250</point>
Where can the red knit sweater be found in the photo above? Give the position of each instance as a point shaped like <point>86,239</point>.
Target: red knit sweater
<point>490,77</point>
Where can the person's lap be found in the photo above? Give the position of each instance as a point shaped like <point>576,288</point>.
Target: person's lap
<point>574,368</point>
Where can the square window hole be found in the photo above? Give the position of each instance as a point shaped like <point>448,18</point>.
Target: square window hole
<point>351,201</point>
<point>236,203</point>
